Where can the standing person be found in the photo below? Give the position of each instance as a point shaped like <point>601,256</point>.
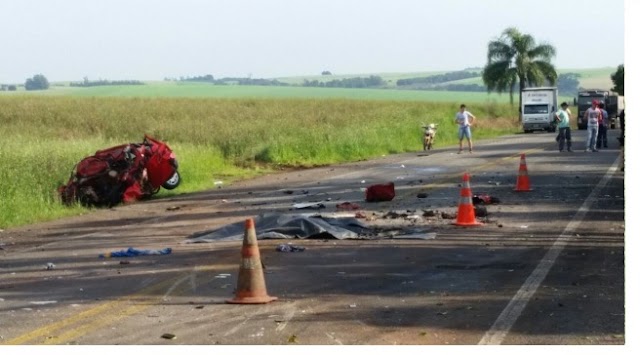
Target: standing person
<point>465,119</point>
<point>593,116</point>
<point>602,127</point>
<point>564,127</point>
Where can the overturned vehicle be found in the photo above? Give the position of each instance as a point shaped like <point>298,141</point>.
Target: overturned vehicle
<point>125,173</point>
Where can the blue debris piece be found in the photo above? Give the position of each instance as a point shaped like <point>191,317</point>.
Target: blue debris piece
<point>134,252</point>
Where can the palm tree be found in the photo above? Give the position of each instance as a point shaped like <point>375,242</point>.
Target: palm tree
<point>514,58</point>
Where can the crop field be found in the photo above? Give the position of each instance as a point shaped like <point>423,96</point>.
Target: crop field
<point>214,139</point>
<point>203,90</point>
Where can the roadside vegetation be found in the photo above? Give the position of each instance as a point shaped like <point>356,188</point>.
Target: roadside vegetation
<point>214,139</point>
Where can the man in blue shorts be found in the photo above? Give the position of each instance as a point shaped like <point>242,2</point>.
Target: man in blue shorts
<point>465,119</point>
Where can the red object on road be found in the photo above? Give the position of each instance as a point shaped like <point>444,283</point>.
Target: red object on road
<point>380,192</point>
<point>348,206</point>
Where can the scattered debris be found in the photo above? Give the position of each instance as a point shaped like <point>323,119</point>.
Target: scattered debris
<point>125,262</point>
<point>134,252</point>
<point>308,205</point>
<point>199,307</point>
<point>480,211</point>
<point>50,266</point>
<point>429,213</point>
<point>524,227</point>
<point>292,339</point>
<point>422,195</point>
<point>288,192</point>
<point>353,305</point>
<point>484,199</point>
<point>288,226</point>
<point>360,215</point>
<point>173,208</point>
<point>446,215</point>
<point>222,276</point>
<point>348,206</point>
<point>168,336</point>
<point>218,182</point>
<point>289,248</point>
<point>380,192</point>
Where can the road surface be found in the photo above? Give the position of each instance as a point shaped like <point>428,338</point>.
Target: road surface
<point>547,266</point>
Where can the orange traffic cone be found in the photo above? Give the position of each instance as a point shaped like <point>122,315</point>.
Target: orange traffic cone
<point>251,287</point>
<point>466,213</point>
<point>523,178</point>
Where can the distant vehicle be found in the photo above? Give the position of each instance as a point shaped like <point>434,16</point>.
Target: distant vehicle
<point>614,104</point>
<point>538,109</point>
<point>124,173</point>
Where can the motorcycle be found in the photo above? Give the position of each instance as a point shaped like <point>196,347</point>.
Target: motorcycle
<point>124,173</point>
<point>429,135</point>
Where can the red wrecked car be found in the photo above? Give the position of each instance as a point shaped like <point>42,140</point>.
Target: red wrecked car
<point>125,173</point>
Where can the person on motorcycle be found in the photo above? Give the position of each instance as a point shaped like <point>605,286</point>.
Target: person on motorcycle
<point>429,136</point>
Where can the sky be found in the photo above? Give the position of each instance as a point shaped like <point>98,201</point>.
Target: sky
<point>153,39</point>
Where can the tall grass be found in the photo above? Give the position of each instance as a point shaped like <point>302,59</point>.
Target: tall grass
<point>214,139</point>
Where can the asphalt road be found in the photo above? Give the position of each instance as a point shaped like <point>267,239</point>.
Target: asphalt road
<point>547,266</point>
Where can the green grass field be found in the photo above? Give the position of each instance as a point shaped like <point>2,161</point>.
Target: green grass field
<point>44,136</point>
<point>224,132</point>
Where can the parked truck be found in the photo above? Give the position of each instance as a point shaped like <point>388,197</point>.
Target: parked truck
<point>613,103</point>
<point>538,109</point>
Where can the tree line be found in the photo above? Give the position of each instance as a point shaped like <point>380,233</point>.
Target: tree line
<point>438,79</point>
<point>87,83</point>
<point>373,81</point>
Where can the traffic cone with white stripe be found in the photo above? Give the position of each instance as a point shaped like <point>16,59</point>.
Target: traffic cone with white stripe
<point>251,287</point>
<point>523,178</point>
<point>466,213</point>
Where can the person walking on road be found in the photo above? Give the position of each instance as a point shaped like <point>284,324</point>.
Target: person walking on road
<point>465,119</point>
<point>602,128</point>
<point>564,116</point>
<point>593,116</point>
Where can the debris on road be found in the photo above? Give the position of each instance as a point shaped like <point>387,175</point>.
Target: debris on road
<point>360,215</point>
<point>168,336</point>
<point>134,252</point>
<point>288,192</point>
<point>290,248</point>
<point>288,226</point>
<point>380,192</point>
<point>308,205</point>
<point>50,266</point>
<point>292,339</point>
<point>484,199</point>
<point>429,213</point>
<point>173,208</point>
<point>480,211</point>
<point>446,215</point>
<point>422,195</point>
<point>348,206</point>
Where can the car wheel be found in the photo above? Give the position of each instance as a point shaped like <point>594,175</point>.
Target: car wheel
<point>173,181</point>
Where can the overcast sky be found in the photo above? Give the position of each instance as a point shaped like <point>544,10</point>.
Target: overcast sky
<point>153,39</point>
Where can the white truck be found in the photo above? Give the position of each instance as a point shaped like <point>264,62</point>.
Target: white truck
<point>538,109</point>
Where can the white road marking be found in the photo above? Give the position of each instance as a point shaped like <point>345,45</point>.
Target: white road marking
<point>511,313</point>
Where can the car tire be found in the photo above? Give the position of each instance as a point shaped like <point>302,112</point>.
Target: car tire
<point>173,181</point>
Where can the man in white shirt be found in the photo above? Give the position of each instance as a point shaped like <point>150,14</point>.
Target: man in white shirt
<point>465,119</point>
